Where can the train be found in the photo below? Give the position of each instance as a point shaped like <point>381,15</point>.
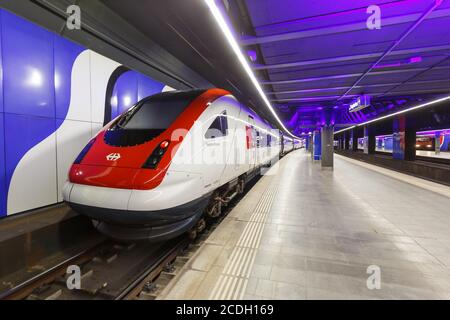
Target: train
<point>426,140</point>
<point>168,163</point>
<point>425,143</point>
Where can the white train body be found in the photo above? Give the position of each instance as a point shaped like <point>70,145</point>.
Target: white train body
<point>211,150</point>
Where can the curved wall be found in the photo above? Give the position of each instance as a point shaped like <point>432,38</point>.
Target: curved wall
<point>53,99</point>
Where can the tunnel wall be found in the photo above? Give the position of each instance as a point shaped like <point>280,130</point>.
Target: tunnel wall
<point>53,98</point>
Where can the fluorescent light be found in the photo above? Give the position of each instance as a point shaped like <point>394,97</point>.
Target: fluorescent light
<point>344,129</point>
<point>405,110</point>
<point>396,113</point>
<point>235,46</point>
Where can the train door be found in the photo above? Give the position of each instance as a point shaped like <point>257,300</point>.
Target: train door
<point>215,154</point>
<point>251,142</point>
<point>233,166</point>
<point>258,148</point>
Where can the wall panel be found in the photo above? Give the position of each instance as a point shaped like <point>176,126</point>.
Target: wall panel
<point>27,68</point>
<point>126,91</point>
<point>2,169</point>
<point>147,86</point>
<point>30,171</point>
<point>71,138</point>
<point>71,72</point>
<point>53,96</point>
<point>101,70</point>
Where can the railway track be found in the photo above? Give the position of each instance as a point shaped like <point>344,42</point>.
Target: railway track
<point>111,270</point>
<point>108,271</point>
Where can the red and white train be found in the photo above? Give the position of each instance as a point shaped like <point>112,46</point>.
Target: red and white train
<point>157,169</point>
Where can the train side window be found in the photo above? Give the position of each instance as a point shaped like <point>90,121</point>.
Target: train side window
<point>269,140</point>
<point>218,128</point>
<point>224,123</point>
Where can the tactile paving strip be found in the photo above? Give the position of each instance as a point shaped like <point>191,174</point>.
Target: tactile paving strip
<point>234,278</point>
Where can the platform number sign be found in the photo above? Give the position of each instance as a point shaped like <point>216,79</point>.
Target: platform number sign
<point>374,20</point>
<point>74,18</point>
<point>74,277</point>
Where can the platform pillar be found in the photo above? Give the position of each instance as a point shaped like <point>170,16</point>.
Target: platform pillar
<point>354,137</point>
<point>437,142</point>
<point>309,141</point>
<point>346,140</point>
<point>317,145</point>
<point>327,149</point>
<point>404,140</point>
<point>369,140</point>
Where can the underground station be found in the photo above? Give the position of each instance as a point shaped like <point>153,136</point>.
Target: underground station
<point>224,151</point>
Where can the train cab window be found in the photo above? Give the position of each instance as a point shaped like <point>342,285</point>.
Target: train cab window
<point>219,127</point>
<point>149,118</point>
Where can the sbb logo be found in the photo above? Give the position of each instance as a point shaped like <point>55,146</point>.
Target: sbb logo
<point>113,157</point>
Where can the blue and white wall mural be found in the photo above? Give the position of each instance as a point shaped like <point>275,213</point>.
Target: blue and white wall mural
<point>53,97</point>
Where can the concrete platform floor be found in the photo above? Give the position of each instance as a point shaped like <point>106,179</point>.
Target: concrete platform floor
<point>308,233</point>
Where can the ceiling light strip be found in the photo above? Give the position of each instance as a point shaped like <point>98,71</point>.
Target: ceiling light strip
<point>396,113</point>
<point>215,11</point>
<point>342,130</point>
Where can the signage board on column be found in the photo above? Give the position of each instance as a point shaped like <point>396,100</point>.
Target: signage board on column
<point>317,146</point>
<point>398,139</point>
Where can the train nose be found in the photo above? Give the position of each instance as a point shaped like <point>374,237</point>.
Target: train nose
<point>103,176</point>
<point>104,165</point>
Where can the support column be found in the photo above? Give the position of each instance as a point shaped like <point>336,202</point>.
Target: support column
<point>346,140</point>
<point>410,141</point>
<point>310,144</point>
<point>354,146</point>
<point>437,142</point>
<point>317,145</point>
<point>369,140</point>
<point>404,140</point>
<point>327,149</point>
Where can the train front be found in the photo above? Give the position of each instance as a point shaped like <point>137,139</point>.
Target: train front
<point>122,181</point>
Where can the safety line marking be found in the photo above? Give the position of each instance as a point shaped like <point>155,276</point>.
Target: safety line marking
<point>233,281</point>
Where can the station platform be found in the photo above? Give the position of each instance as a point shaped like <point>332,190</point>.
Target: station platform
<point>432,154</point>
<point>306,233</point>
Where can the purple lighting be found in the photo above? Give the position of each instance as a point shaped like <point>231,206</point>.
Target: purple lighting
<point>293,120</point>
<point>411,60</point>
<point>252,55</point>
<point>433,132</point>
<point>415,59</point>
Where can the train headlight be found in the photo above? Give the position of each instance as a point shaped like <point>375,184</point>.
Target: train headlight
<point>84,152</point>
<point>155,157</point>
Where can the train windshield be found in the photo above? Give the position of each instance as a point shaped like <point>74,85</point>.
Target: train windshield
<point>156,112</point>
<point>149,118</point>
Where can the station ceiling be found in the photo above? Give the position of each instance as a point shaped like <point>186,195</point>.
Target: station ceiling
<point>312,57</point>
